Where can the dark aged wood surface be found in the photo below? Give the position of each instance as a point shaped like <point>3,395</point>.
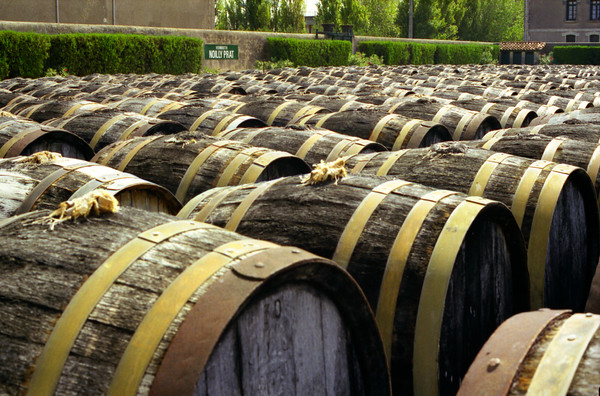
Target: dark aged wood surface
<point>361,123</point>
<point>487,281</point>
<point>87,124</point>
<point>263,108</point>
<point>293,315</point>
<point>188,115</point>
<point>498,110</point>
<point>19,178</point>
<point>584,132</point>
<point>165,161</point>
<point>572,253</point>
<point>291,139</point>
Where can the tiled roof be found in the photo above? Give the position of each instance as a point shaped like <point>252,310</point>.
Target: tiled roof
<point>522,46</point>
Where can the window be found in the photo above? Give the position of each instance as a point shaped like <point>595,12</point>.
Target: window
<point>571,10</point>
<point>570,38</point>
<point>595,10</point>
<point>594,38</point>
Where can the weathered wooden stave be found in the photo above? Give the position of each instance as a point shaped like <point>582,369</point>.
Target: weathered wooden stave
<point>393,131</point>
<point>509,116</point>
<point>278,211</point>
<point>188,164</point>
<point>32,186</point>
<point>583,132</point>
<point>275,111</point>
<point>19,136</point>
<point>562,237</point>
<point>311,145</point>
<point>210,121</point>
<point>552,352</point>
<point>253,275</point>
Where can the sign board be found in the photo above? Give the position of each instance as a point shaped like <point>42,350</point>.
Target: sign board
<point>220,51</point>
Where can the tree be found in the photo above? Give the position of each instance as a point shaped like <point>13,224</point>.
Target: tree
<point>290,16</point>
<point>353,12</point>
<point>381,17</point>
<point>329,11</point>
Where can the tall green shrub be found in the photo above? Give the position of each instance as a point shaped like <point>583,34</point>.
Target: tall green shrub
<point>22,54</point>
<point>312,53</point>
<point>392,52</point>
<point>576,55</point>
<point>463,54</point>
<point>422,54</point>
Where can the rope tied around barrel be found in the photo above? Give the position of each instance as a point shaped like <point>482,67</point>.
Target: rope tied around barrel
<point>446,148</point>
<point>94,203</point>
<point>41,157</point>
<point>326,171</point>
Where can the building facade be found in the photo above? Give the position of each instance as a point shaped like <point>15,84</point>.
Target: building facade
<point>193,14</point>
<point>562,21</point>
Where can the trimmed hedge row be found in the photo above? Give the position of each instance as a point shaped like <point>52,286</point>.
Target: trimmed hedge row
<point>404,53</point>
<point>576,55</point>
<point>311,53</point>
<point>30,54</point>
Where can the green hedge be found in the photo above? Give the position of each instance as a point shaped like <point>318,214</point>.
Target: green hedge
<point>22,54</point>
<point>30,54</point>
<point>576,55</point>
<point>311,53</point>
<point>403,53</point>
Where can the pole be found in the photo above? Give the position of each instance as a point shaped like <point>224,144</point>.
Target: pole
<point>114,13</point>
<point>526,22</point>
<point>410,18</point>
<point>57,13</point>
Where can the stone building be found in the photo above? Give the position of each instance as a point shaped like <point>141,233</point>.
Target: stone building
<point>195,14</point>
<point>562,21</point>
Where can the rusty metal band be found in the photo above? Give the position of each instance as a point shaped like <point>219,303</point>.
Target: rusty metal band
<point>202,117</point>
<point>520,332</point>
<point>594,164</point>
<point>192,170</point>
<point>277,110</point>
<point>525,187</point>
<point>490,143</point>
<point>356,225</point>
<point>151,330</point>
<point>234,165</point>
<point>380,125</point>
<point>540,230</point>
<point>31,110</point>
<point>506,116</point>
<point>464,120</point>
<point>404,133</point>
<point>6,147</point>
<point>322,120</point>
<point>110,153</point>
<point>438,116</point>
<point>485,173</point>
<point>521,116</point>
<point>50,363</point>
<point>390,161</point>
<point>341,147</point>
<point>428,326</point>
<point>127,159</point>
<point>214,200</point>
<point>310,142</point>
<point>224,122</point>
<point>557,367</point>
<point>485,109</point>
<point>148,106</point>
<point>193,203</point>
<point>396,263</point>
<point>239,212</point>
<point>132,129</point>
<point>257,167</point>
<point>104,128</point>
<point>552,148</point>
<point>361,162</point>
<point>29,202</point>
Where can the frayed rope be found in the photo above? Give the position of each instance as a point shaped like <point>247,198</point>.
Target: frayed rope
<point>326,171</point>
<point>39,158</point>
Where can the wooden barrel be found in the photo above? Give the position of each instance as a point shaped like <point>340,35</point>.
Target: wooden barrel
<point>554,204</point>
<point>549,353</point>
<point>312,145</point>
<point>210,121</point>
<point>102,127</point>
<point>419,255</point>
<point>391,130</point>
<point>20,136</point>
<point>29,185</point>
<point>137,303</point>
<point>560,149</point>
<point>149,106</point>
<point>188,164</point>
<point>583,132</point>
<point>42,110</point>
<point>339,103</point>
<point>553,100</point>
<point>461,123</point>
<point>509,116</point>
<point>587,116</point>
<point>276,111</point>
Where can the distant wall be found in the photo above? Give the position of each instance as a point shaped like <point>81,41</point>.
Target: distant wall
<point>193,14</point>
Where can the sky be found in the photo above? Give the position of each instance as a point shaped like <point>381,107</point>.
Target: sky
<point>311,7</point>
